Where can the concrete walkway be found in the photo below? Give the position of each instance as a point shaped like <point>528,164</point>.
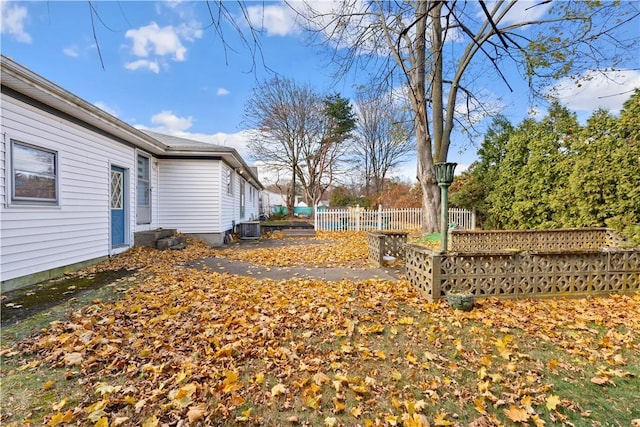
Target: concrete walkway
<point>242,268</point>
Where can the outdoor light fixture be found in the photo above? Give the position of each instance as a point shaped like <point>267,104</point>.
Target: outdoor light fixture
<point>444,177</point>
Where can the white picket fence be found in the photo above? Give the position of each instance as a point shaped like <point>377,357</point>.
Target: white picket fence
<point>360,219</point>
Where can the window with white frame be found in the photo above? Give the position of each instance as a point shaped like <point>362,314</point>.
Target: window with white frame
<point>34,173</point>
<point>229,177</point>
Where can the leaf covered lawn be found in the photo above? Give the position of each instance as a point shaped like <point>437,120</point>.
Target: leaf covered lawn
<point>192,347</point>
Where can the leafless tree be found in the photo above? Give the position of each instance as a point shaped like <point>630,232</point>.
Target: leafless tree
<point>296,129</point>
<point>383,137</point>
<point>437,48</point>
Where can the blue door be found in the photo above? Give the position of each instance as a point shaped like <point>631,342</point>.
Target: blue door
<point>117,206</point>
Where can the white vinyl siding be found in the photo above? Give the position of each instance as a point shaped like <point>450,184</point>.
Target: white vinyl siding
<point>39,238</point>
<point>190,195</point>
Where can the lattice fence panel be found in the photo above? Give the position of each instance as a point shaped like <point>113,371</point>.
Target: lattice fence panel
<point>375,244</point>
<point>482,274</point>
<point>526,274</point>
<point>532,240</point>
<point>419,267</point>
<point>394,244</point>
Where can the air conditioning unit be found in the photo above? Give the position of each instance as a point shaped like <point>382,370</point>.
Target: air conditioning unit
<point>250,230</point>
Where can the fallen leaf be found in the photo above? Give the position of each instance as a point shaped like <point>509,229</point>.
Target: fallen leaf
<point>552,402</point>
<point>516,414</point>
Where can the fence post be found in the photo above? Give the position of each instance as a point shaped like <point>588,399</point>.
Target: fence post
<point>315,217</point>
<point>357,217</point>
<point>379,217</point>
<point>435,277</point>
<point>473,220</point>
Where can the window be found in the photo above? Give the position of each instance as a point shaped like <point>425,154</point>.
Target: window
<point>241,198</point>
<point>229,173</point>
<point>35,173</point>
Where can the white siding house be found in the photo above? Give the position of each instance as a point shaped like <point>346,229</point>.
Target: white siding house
<point>76,183</point>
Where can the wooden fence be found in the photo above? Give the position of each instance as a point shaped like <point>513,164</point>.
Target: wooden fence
<point>360,219</point>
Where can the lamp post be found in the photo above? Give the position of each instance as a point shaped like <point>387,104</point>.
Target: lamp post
<point>444,177</point>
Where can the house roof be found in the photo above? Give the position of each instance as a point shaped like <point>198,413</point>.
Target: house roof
<point>176,146</point>
<point>43,93</point>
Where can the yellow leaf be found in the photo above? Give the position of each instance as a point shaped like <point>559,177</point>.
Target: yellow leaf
<point>68,416</point>
<point>396,375</point>
<point>312,402</point>
<point>406,321</point>
<point>102,422</point>
<point>552,402</point>
<point>245,415</point>
<point>48,385</point>
<point>339,406</point>
<point>330,421</point>
<point>277,389</point>
<point>181,376</point>
<point>478,403</point>
<point>259,377</point>
<point>392,420</point>
<point>130,400</point>
<point>380,355</point>
<point>538,421</point>
<point>152,421</point>
<point>56,419</point>
<point>516,414</point>
<point>411,358</point>
<point>31,365</point>
<point>320,378</point>
<point>59,405</point>
<point>356,411</point>
<point>440,420</point>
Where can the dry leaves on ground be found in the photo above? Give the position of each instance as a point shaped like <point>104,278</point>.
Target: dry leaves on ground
<point>189,346</point>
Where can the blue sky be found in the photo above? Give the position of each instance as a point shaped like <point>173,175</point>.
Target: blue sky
<point>163,70</point>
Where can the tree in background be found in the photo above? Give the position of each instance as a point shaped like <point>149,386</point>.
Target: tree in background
<point>555,173</point>
<point>326,147</point>
<point>298,130</point>
<point>433,49</point>
<point>471,189</point>
<point>382,138</point>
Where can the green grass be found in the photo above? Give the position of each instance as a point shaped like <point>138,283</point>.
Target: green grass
<point>29,394</point>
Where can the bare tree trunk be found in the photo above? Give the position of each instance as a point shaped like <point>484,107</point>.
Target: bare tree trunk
<point>426,174</point>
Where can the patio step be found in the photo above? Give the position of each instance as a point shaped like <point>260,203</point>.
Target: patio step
<point>299,232</point>
<point>176,242</point>
<point>149,238</point>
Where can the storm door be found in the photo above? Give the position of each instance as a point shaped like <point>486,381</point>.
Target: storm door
<point>143,191</point>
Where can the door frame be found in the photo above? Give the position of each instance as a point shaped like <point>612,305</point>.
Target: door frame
<point>125,207</point>
<point>149,195</point>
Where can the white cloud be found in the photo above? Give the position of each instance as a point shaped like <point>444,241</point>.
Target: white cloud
<point>277,20</point>
<point>71,51</point>
<point>143,63</point>
<point>222,91</point>
<point>595,90</point>
<point>167,122</point>
<point>106,108</point>
<point>12,20</point>
<point>154,42</point>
